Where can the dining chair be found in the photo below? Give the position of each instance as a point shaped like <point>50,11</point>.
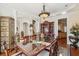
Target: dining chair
<point>48,48</point>
<point>6,51</point>
<point>54,49</point>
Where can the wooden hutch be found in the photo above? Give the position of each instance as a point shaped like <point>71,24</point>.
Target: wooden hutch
<point>6,32</point>
<point>47,28</point>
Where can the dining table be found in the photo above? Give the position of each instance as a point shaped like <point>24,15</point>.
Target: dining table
<point>33,48</point>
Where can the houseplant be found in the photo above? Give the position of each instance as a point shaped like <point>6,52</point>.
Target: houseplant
<point>75,31</point>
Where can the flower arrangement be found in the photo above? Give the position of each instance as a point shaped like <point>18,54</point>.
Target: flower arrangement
<point>75,30</point>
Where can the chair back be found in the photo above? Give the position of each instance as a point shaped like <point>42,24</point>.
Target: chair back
<point>54,48</point>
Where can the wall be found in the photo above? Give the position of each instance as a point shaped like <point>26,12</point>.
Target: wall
<point>20,17</point>
<point>8,12</point>
<point>72,18</point>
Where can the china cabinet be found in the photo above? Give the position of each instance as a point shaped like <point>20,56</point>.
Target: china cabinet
<point>6,32</point>
<point>47,28</point>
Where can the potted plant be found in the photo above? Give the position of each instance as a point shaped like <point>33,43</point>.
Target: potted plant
<point>75,31</point>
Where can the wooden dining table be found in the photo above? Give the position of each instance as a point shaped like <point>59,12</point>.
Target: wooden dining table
<point>33,48</point>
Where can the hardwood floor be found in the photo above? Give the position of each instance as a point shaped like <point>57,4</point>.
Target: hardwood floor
<point>62,43</point>
<point>73,51</point>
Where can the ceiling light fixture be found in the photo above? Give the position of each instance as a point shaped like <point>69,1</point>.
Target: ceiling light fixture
<point>44,14</point>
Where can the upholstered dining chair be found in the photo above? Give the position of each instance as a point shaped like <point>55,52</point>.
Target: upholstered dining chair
<point>53,50</point>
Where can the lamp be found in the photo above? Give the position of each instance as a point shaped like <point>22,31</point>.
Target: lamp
<point>44,14</point>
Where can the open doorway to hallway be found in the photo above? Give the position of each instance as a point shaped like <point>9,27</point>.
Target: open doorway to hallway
<point>62,31</point>
<point>62,36</point>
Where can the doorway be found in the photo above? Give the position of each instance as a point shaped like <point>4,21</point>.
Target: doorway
<point>62,32</point>
<point>25,28</point>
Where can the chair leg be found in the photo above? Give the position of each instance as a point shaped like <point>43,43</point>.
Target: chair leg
<point>6,52</point>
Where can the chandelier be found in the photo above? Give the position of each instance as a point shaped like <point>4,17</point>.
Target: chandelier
<point>44,14</point>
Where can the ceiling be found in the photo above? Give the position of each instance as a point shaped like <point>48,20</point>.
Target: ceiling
<point>36,8</point>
